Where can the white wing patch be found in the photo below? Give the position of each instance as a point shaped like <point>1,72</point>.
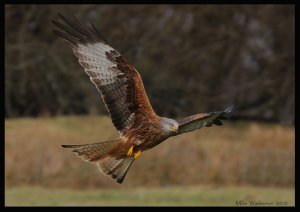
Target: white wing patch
<point>101,70</point>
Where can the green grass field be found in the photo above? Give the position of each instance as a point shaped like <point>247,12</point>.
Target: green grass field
<point>167,196</point>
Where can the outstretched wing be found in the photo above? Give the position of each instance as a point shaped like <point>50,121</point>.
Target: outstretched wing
<point>119,83</point>
<point>197,121</point>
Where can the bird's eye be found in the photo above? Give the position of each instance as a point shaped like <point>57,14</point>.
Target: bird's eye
<point>171,125</point>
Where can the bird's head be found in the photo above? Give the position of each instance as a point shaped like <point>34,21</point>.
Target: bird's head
<point>170,126</point>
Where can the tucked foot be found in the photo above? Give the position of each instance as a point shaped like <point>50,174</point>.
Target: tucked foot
<point>130,151</point>
<point>137,154</point>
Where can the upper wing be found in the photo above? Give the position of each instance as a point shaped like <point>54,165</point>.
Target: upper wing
<point>119,83</point>
<point>197,121</point>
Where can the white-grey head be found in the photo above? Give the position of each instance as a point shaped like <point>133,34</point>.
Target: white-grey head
<point>170,126</point>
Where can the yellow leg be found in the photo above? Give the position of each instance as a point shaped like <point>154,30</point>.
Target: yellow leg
<point>130,151</point>
<point>137,154</point>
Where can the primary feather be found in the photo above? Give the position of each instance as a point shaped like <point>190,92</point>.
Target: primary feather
<point>118,82</point>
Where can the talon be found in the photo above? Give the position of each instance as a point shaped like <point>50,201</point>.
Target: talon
<point>137,154</point>
<point>130,151</point>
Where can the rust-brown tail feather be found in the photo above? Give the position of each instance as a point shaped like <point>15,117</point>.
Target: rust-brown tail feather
<point>92,152</point>
<point>99,153</point>
<point>116,168</point>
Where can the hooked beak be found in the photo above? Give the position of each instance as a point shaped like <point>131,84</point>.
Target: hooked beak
<point>174,129</point>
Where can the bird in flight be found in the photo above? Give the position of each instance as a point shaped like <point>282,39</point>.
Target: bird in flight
<point>122,91</point>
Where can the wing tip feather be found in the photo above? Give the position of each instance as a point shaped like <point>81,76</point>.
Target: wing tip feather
<point>229,109</point>
<point>76,31</point>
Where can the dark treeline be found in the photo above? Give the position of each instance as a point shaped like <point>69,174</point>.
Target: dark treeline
<point>192,58</point>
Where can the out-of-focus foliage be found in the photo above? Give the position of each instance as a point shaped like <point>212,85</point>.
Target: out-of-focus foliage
<point>192,58</point>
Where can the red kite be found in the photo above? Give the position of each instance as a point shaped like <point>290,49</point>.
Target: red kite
<point>123,93</point>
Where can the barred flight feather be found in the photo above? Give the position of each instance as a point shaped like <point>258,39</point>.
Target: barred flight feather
<point>120,85</point>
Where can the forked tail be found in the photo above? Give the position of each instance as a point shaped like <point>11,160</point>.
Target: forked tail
<point>116,168</point>
<point>92,152</point>
<point>99,153</point>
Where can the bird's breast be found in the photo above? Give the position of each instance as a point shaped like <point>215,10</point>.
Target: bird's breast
<point>146,136</point>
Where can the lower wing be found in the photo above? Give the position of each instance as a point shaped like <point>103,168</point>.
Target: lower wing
<point>200,120</point>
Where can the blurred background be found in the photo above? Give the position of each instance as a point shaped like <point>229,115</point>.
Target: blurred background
<point>192,58</point>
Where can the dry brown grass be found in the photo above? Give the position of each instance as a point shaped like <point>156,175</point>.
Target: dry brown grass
<point>236,153</point>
